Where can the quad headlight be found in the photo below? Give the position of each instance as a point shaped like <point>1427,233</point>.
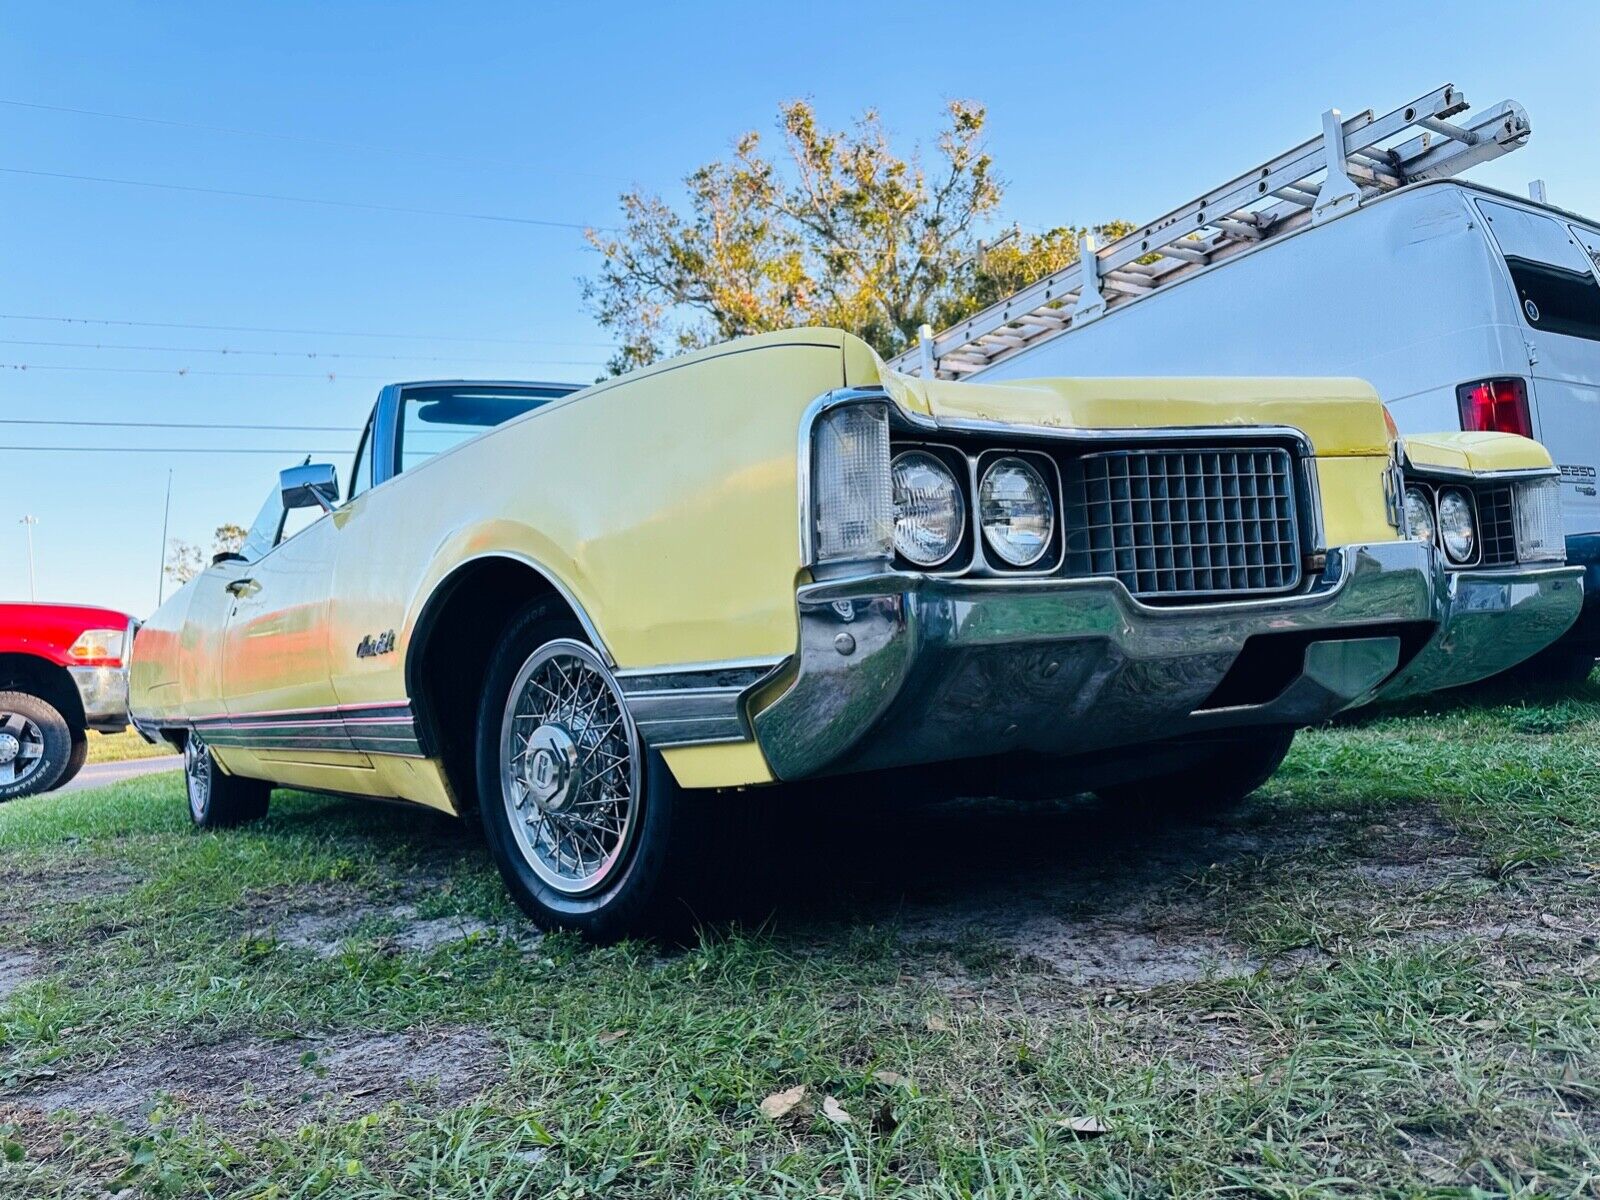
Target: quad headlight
<point>930,513</point>
<point>1016,512</point>
<point>1419,515</point>
<point>1457,525</point>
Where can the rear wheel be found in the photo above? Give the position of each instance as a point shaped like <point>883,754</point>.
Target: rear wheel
<point>217,799</point>
<point>35,745</point>
<point>1217,782</point>
<point>578,815</point>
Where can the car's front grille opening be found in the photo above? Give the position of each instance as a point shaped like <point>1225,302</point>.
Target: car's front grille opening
<point>1184,522</point>
<point>1270,662</point>
<point>1497,525</point>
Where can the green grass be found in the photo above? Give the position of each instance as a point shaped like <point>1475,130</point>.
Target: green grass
<point>119,747</point>
<point>1412,1006</point>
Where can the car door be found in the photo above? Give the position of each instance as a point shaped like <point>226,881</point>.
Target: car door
<point>1558,305</point>
<point>276,689</point>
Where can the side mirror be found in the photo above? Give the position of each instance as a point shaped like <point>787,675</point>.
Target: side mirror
<point>315,485</point>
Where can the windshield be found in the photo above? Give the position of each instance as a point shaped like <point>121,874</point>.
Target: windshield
<point>435,418</point>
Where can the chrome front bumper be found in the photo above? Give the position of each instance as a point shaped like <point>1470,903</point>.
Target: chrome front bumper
<point>104,692</point>
<point>895,669</point>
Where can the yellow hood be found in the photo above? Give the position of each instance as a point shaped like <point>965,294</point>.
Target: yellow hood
<point>1342,417</point>
<point>1475,452</point>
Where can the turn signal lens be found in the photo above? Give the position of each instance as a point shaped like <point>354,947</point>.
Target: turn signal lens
<point>1495,406</point>
<point>850,484</point>
<point>1540,537</point>
<point>930,514</point>
<point>1456,526</point>
<point>1419,515</point>
<point>1016,511</point>
<point>98,648</point>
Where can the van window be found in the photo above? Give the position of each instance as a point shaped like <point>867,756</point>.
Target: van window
<point>437,417</point>
<point>1556,287</point>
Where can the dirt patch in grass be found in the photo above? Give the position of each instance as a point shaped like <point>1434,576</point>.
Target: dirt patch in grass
<point>16,968</point>
<point>247,1082</point>
<point>322,922</point>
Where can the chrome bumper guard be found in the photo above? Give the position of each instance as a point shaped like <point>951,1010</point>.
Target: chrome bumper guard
<point>104,692</point>
<point>895,669</point>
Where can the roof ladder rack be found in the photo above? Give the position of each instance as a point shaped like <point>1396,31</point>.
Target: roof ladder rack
<point>1353,161</point>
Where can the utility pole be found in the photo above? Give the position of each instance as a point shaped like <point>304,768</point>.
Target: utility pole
<point>29,522</point>
<point>166,515</point>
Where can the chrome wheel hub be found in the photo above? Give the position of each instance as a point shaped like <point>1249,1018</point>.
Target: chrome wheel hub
<point>554,769</point>
<point>569,767</point>
<point>21,747</point>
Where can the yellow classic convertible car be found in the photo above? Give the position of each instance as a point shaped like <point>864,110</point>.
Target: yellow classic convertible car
<point>778,560</point>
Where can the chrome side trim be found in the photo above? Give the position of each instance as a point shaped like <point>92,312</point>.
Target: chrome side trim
<point>590,630</point>
<point>374,729</point>
<point>693,706</point>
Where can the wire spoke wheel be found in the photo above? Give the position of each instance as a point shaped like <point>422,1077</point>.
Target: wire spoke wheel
<point>197,769</point>
<point>570,768</point>
<point>21,748</point>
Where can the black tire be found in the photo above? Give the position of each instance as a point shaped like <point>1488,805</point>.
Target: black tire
<point>1562,664</point>
<point>75,760</point>
<point>631,897</point>
<point>35,742</point>
<point>218,800</point>
<point>1216,783</point>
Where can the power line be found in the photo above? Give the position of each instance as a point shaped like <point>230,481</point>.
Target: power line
<point>407,337</point>
<point>166,450</point>
<point>563,362</point>
<point>179,425</point>
<point>393,208</point>
<point>294,137</point>
<point>326,376</point>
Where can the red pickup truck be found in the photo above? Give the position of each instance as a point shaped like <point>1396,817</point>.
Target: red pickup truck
<point>63,671</point>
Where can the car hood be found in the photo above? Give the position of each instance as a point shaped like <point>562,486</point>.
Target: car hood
<point>1341,417</point>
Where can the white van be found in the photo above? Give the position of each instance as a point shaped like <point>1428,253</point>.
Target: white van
<point>1459,303</point>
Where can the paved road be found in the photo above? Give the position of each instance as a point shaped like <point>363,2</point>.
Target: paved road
<point>96,775</point>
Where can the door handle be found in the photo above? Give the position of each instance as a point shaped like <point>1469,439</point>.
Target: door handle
<point>243,587</point>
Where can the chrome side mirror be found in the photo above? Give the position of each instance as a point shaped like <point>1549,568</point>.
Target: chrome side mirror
<point>314,485</point>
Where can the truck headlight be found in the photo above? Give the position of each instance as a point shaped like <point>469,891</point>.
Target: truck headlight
<point>1016,512</point>
<point>1539,532</point>
<point>1456,526</point>
<point>850,484</point>
<point>98,648</point>
<point>930,513</point>
<point>1419,515</point>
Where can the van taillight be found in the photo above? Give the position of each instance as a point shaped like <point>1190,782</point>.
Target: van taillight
<point>1495,406</point>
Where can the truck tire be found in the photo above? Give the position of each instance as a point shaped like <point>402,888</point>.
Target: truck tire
<point>1217,783</point>
<point>35,745</point>
<point>75,760</point>
<point>580,817</point>
<point>218,800</point>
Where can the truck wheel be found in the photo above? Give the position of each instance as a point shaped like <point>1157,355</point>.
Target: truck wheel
<point>217,799</point>
<point>578,815</point>
<point>1216,783</point>
<point>35,745</point>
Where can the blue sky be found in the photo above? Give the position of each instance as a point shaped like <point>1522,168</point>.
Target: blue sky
<point>547,112</point>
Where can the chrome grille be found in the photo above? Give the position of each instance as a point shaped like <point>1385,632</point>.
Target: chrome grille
<point>1184,523</point>
<point>1497,526</point>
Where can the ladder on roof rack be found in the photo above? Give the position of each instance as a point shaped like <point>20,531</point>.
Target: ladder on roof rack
<point>1326,177</point>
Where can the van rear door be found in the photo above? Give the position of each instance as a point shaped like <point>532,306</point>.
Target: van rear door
<point>1558,303</point>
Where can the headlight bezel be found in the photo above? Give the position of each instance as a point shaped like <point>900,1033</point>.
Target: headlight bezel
<point>1468,504</point>
<point>1424,495</point>
<point>956,471</point>
<point>1043,468</point>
